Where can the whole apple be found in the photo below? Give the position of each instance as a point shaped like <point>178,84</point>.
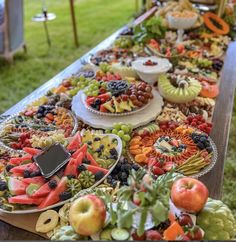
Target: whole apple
<point>87,215</point>
<point>189,194</point>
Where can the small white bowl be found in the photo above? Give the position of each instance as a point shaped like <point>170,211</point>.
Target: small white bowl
<point>181,22</point>
<point>150,73</point>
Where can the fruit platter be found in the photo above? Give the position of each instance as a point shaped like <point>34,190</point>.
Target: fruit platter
<point>25,188</point>
<point>37,127</point>
<point>181,147</point>
<point>117,97</point>
<point>114,152</point>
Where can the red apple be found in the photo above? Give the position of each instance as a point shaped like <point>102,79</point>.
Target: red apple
<point>189,194</point>
<point>87,215</point>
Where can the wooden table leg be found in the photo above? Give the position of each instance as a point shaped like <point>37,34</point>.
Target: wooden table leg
<point>72,11</point>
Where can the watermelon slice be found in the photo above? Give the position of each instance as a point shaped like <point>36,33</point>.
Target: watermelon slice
<point>75,142</point>
<point>71,168</point>
<point>79,159</point>
<point>25,199</point>
<point>53,196</point>
<point>18,160</point>
<point>90,100</point>
<point>92,160</point>
<point>32,167</point>
<point>16,186</point>
<point>44,190</point>
<point>95,169</point>
<point>83,150</point>
<point>32,151</point>
<point>39,180</point>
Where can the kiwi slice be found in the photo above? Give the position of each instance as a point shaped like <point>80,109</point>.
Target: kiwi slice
<point>106,234</point>
<point>26,162</point>
<point>119,234</point>
<point>31,189</point>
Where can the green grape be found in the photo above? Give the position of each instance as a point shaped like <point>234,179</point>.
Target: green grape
<point>74,91</point>
<point>114,131</point>
<point>126,137</point>
<point>125,128</point>
<point>123,144</point>
<point>121,133</point>
<point>95,93</point>
<point>117,126</point>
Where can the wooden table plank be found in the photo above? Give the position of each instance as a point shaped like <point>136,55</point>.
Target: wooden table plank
<point>220,133</point>
<point>221,122</point>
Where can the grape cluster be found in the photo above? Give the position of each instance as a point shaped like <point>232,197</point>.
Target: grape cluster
<point>93,88</point>
<point>78,83</point>
<point>124,42</point>
<point>123,131</point>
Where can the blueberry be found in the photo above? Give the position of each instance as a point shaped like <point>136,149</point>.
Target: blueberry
<point>200,145</point>
<point>98,150</point>
<point>123,176</point>
<point>135,167</point>
<point>86,161</point>
<point>97,139</point>
<point>65,196</point>
<point>39,115</point>
<point>97,101</point>
<point>52,184</point>
<point>71,177</point>
<point>209,149</point>
<point>3,185</point>
<point>203,139</point>
<point>26,174</point>
<point>81,168</point>
<point>182,146</point>
<point>89,142</point>
<point>9,167</point>
<point>102,147</point>
<point>99,175</point>
<point>114,183</point>
<point>113,151</point>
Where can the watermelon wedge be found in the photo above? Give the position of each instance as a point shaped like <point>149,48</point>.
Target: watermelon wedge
<point>53,196</point>
<point>75,142</point>
<point>18,160</point>
<point>71,168</point>
<point>92,160</point>
<point>20,169</point>
<point>39,180</point>
<point>16,186</point>
<point>44,190</point>
<point>79,159</point>
<point>95,169</point>
<point>25,199</point>
<point>83,150</point>
<point>32,151</point>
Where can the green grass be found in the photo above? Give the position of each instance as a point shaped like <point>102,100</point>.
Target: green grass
<point>96,20</point>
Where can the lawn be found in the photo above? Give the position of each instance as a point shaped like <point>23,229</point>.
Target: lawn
<point>96,19</point>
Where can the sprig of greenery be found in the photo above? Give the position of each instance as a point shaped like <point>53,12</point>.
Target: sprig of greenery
<point>153,28</point>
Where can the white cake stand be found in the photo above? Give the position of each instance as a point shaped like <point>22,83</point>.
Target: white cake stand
<point>101,122</point>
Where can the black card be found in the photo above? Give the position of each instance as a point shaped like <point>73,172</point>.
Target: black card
<point>52,159</point>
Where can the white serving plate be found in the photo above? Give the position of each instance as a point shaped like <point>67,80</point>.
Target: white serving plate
<point>36,210</point>
<point>99,122</point>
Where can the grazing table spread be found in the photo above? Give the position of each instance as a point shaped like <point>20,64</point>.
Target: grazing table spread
<point>129,142</point>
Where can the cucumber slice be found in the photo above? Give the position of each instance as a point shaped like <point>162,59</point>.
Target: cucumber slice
<point>31,189</point>
<point>106,234</point>
<point>120,234</point>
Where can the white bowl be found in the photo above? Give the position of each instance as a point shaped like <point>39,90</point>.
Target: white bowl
<point>181,22</point>
<point>150,74</point>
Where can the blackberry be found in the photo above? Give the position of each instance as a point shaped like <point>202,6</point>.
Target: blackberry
<point>71,177</point>
<point>86,161</point>
<point>26,174</point>
<point>200,145</point>
<point>113,152</point>
<point>52,184</point>
<point>65,196</point>
<point>114,183</point>
<point>9,167</point>
<point>3,186</point>
<point>135,167</point>
<point>81,168</point>
<point>97,101</point>
<point>98,150</point>
<point>123,176</point>
<point>99,175</point>
<point>126,168</point>
<point>35,173</point>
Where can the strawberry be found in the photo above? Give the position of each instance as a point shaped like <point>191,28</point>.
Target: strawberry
<point>157,171</point>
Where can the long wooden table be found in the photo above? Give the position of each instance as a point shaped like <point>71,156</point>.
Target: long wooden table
<point>220,132</point>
